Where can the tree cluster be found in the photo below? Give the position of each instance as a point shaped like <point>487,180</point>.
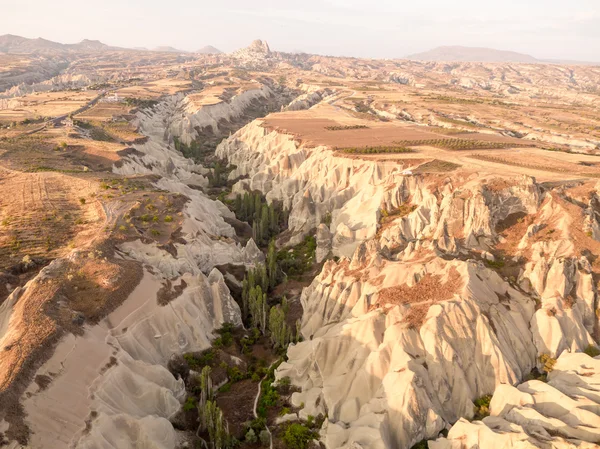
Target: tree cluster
<point>210,415</point>
<point>458,144</point>
<point>266,219</point>
<point>256,280</point>
<point>193,151</point>
<point>218,176</point>
<point>377,150</point>
<point>281,333</point>
<point>346,127</point>
<point>256,284</point>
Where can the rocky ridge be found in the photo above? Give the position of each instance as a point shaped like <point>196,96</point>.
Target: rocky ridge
<point>381,348</point>
<point>126,394</point>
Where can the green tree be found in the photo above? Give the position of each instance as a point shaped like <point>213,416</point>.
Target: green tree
<point>237,205</point>
<point>272,264</point>
<point>256,207</point>
<point>258,308</point>
<point>278,328</point>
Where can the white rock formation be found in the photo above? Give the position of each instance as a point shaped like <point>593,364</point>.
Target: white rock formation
<point>563,413</point>
<point>364,363</point>
<point>124,395</point>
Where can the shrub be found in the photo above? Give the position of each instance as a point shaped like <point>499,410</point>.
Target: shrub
<point>284,382</point>
<point>298,436</point>
<point>168,219</point>
<point>376,150</point>
<point>547,362</point>
<point>592,351</point>
<point>482,407</point>
<point>299,259</point>
<point>196,362</point>
<point>420,445</point>
<point>495,264</point>
<point>535,375</point>
<point>265,438</point>
<point>190,404</point>
<point>258,424</point>
<point>342,128</point>
<point>235,374</point>
<point>82,200</point>
<point>251,437</point>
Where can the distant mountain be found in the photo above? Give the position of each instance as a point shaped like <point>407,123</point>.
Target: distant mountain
<point>209,50</point>
<point>90,45</point>
<point>167,49</point>
<point>472,54</point>
<point>10,43</point>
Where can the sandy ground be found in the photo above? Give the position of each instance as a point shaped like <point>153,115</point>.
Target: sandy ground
<point>79,363</point>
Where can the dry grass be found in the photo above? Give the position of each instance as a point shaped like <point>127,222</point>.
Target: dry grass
<point>40,214</point>
<point>102,112</point>
<point>43,151</point>
<point>436,166</point>
<point>47,104</point>
<point>421,296</point>
<point>155,217</point>
<point>155,89</point>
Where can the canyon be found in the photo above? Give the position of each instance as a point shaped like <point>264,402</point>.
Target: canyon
<point>450,299</point>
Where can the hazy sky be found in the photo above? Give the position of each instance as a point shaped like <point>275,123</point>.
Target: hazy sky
<point>566,29</point>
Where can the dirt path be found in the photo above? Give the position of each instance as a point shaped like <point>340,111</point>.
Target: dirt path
<point>254,411</point>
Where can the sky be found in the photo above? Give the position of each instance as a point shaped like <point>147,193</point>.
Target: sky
<point>546,29</point>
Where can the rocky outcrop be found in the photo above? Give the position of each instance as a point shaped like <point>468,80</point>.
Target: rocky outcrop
<point>377,353</point>
<point>125,392</point>
<point>308,99</point>
<point>562,413</point>
<point>391,336</point>
<point>313,182</point>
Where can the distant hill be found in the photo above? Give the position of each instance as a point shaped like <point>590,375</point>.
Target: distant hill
<point>209,50</point>
<point>167,49</point>
<point>10,43</point>
<point>90,45</point>
<point>472,54</point>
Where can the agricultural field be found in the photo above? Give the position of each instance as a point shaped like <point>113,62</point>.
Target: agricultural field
<point>42,213</point>
<point>154,89</point>
<point>103,112</point>
<point>48,104</point>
